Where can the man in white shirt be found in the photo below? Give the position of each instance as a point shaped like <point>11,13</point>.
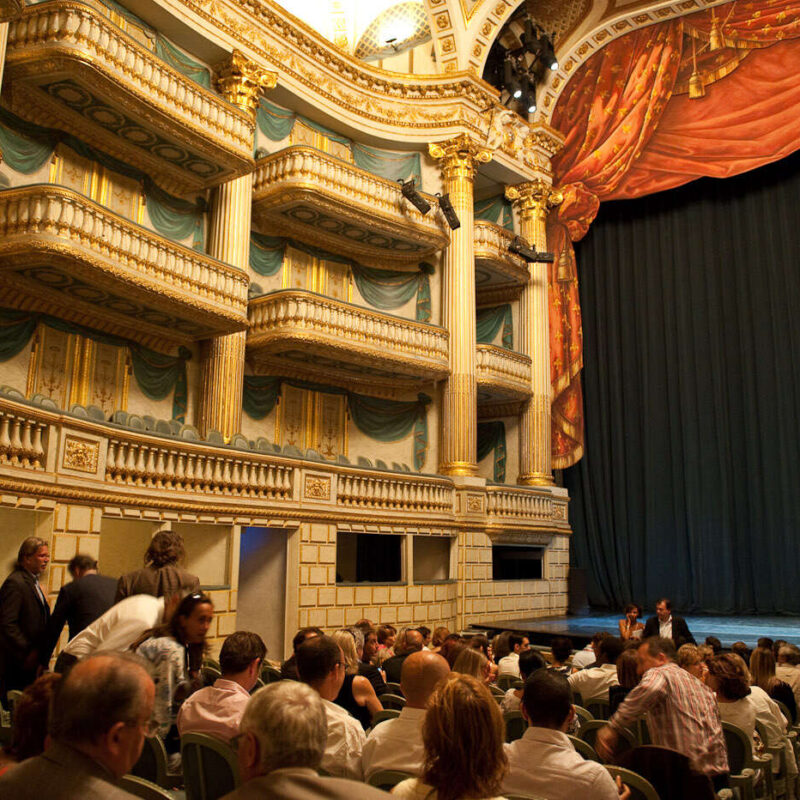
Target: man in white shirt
<point>593,683</point>
<point>321,664</point>
<point>667,625</point>
<point>118,628</point>
<point>509,665</point>
<point>543,762</point>
<point>787,668</point>
<point>397,743</point>
<point>217,710</point>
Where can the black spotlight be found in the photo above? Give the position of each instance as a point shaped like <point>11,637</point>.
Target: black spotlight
<point>547,52</point>
<point>510,79</point>
<point>449,212</point>
<point>529,254</point>
<point>414,197</point>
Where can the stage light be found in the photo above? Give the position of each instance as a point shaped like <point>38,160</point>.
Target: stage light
<point>529,254</point>
<point>510,79</point>
<point>449,212</point>
<point>414,197</point>
<point>547,52</point>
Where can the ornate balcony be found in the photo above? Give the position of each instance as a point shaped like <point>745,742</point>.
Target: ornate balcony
<point>522,508</point>
<point>65,254</point>
<point>497,270</point>
<point>314,196</point>
<point>70,67</point>
<point>302,330</point>
<point>503,375</point>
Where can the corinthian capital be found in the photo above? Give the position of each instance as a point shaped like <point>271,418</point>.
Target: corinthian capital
<point>241,81</point>
<point>534,196</point>
<point>460,156</point>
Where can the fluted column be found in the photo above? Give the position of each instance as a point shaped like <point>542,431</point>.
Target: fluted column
<point>8,10</point>
<point>533,199</point>
<point>458,453</point>
<point>220,407</point>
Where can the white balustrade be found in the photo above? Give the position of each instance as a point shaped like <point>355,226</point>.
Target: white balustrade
<point>22,441</point>
<point>498,366</point>
<point>518,504</point>
<point>395,493</point>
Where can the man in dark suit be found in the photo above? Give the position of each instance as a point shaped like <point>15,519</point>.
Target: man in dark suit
<point>667,625</point>
<point>408,641</point>
<point>24,614</point>
<point>80,602</point>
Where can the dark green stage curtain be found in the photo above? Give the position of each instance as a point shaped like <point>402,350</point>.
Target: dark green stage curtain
<point>690,486</point>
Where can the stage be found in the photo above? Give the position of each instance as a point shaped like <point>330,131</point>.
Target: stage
<point>580,629</point>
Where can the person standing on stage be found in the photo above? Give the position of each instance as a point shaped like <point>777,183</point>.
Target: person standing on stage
<point>667,625</point>
<point>24,614</point>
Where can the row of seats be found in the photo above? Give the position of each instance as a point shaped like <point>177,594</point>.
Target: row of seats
<point>179,430</point>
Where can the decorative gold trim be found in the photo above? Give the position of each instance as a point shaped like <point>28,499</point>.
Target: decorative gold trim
<point>80,455</point>
<point>241,81</point>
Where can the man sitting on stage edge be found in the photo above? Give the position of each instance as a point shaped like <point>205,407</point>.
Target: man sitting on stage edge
<point>667,625</point>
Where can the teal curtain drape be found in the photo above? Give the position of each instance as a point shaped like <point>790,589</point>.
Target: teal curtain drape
<point>689,483</point>
<point>383,420</point>
<point>22,154</point>
<point>177,225</point>
<point>274,122</point>
<point>388,164</point>
<point>157,375</point>
<point>495,209</point>
<point>492,438</point>
<point>490,320</point>
<point>266,253</point>
<point>178,60</point>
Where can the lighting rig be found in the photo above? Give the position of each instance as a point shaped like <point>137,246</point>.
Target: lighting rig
<point>530,255</point>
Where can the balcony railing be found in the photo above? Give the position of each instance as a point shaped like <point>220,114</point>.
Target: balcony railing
<point>503,373</point>
<point>526,507</point>
<point>304,192</point>
<point>283,320</point>
<point>61,248</point>
<point>496,266</point>
<point>70,67</point>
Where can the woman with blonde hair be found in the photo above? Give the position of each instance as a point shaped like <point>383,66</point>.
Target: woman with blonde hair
<point>691,659</point>
<point>762,672</point>
<point>463,734</point>
<point>356,695</point>
<point>473,662</point>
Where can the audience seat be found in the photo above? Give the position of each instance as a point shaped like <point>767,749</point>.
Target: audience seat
<point>641,788</point>
<point>744,765</point>
<point>669,772</point>
<point>210,767</point>
<point>392,701</point>
<point>152,763</point>
<point>394,688</point>
<point>139,787</point>
<point>583,748</point>
<point>582,714</point>
<point>385,779</point>
<point>778,777</point>
<point>270,674</point>
<point>599,709</point>
<point>506,681</point>
<point>387,713</point>
<point>515,725</point>
<point>625,741</point>
<point>496,691</point>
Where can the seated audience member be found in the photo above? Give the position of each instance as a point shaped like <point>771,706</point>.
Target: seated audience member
<point>30,721</point>
<point>682,713</point>
<point>480,643</point>
<point>741,650</point>
<point>473,662</point>
<point>387,635</point>
<point>691,659</point>
<point>289,667</point>
<point>762,673</point>
<point>543,762</point>
<point>118,628</point>
<point>451,647</point>
<point>175,651</point>
<point>627,675</point>
<point>529,662</point>
<point>706,652</point>
<point>217,710</point>
<point>426,634</point>
<point>787,668</point>
<point>586,657</point>
<point>100,715</point>
<point>561,650</point>
<point>632,626</point>
<point>509,665</point>
<point>500,645</point>
<point>280,747</point>
<point>397,743</point>
<point>321,664</point>
<point>472,763</point>
<point>715,644</point>
<point>439,635</point>
<point>593,682</point>
<point>81,601</point>
<point>356,695</point>
<point>161,574</point>
<point>365,666</point>
<point>408,641</point>
<point>765,641</point>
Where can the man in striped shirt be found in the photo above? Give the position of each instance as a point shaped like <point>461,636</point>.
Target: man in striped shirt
<point>682,712</point>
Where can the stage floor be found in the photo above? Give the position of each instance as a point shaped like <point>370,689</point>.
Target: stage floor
<point>728,630</point>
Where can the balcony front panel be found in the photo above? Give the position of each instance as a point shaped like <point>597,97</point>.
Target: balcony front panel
<point>71,68</point>
<point>63,253</point>
<point>503,375</point>
<point>497,269</point>
<point>313,196</point>
<point>302,329</point>
<point>520,508</point>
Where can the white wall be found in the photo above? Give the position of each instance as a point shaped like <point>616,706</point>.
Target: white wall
<point>123,543</point>
<point>207,551</point>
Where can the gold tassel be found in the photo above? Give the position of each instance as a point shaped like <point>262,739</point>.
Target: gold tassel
<point>715,40</point>
<point>697,88</point>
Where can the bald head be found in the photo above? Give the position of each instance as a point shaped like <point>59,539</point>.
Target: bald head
<point>421,673</point>
<point>408,641</point>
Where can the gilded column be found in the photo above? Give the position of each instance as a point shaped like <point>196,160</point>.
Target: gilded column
<point>458,454</point>
<point>220,407</point>
<point>8,10</point>
<point>533,199</point>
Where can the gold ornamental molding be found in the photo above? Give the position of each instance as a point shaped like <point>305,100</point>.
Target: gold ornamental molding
<point>9,9</point>
<point>72,253</point>
<point>502,268</point>
<point>70,67</point>
<point>503,374</point>
<point>290,319</point>
<point>303,192</point>
<point>499,409</point>
<point>534,198</point>
<point>80,455</point>
<point>460,156</point>
<point>241,81</point>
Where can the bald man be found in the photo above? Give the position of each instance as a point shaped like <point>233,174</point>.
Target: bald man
<point>409,640</point>
<point>397,743</point>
